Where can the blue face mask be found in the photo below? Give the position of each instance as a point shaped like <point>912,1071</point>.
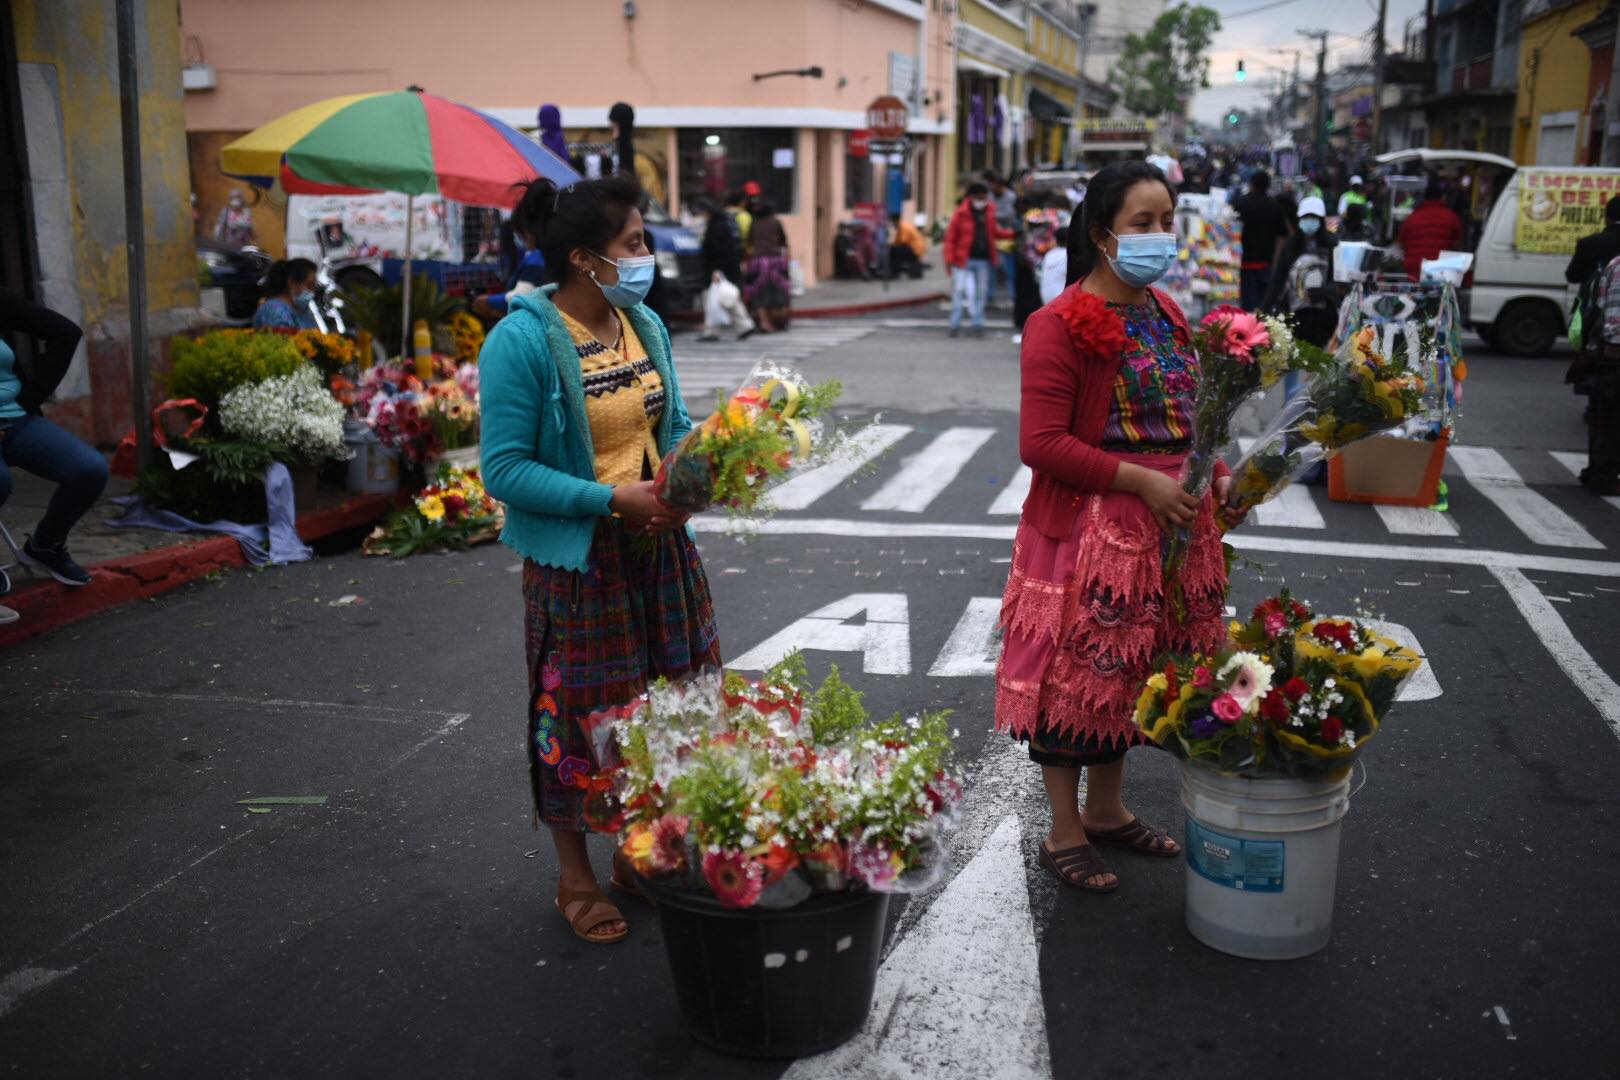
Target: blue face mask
<point>1143,257</point>
<point>304,298</point>
<point>635,278</point>
<point>1309,225</point>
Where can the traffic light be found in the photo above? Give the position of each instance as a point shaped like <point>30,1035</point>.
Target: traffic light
<point>1232,118</point>
<point>1241,74</point>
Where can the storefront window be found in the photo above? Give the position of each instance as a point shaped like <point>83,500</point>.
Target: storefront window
<point>717,160</point>
<point>858,185</point>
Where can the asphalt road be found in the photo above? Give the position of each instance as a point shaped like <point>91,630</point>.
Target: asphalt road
<point>404,927</point>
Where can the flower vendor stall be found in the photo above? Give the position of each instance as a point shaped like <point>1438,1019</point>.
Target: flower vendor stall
<point>1268,728</point>
<point>1206,275</point>
<point>769,822</point>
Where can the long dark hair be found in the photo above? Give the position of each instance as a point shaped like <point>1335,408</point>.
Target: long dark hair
<point>585,215</point>
<point>278,281</point>
<point>1105,197</point>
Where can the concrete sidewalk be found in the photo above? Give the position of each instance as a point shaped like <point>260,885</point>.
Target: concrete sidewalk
<point>843,296</point>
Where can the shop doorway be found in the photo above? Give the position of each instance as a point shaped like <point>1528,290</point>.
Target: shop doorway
<point>17,258</point>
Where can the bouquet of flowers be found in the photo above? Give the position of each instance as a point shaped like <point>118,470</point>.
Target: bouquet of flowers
<point>463,333</point>
<point>389,399</point>
<point>771,423</point>
<point>1239,355</point>
<point>1364,393</point>
<point>452,512</point>
<point>1292,696</point>
<point>765,792</point>
<point>330,352</point>
<point>453,413</point>
<point>295,414</point>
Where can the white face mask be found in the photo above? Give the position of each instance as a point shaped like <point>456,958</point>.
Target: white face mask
<point>980,204</point>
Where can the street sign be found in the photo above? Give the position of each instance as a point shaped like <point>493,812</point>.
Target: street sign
<point>887,116</point>
<point>860,142</point>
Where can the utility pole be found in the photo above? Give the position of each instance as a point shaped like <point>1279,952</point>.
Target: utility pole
<point>1320,113</point>
<point>1611,112</point>
<point>1378,80</point>
<point>134,226</point>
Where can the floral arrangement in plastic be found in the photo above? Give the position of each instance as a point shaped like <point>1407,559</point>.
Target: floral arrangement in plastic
<point>766,792</point>
<point>452,512</point>
<point>389,399</point>
<point>1293,696</point>
<point>294,413</point>
<point>465,333</point>
<point>1239,355</point>
<point>452,412</point>
<point>1364,393</point>
<point>330,352</point>
<point>773,422</point>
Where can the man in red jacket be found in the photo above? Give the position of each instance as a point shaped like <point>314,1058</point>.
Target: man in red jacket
<point>1433,227</point>
<point>970,247</point>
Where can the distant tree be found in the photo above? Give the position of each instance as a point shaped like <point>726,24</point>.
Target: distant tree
<point>1163,67</point>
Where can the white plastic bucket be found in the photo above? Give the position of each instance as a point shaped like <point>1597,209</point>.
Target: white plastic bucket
<point>1262,862</point>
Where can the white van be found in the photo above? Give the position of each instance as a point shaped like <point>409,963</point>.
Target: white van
<point>1519,301</point>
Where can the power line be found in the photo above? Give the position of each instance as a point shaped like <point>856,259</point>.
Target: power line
<point>1257,10</point>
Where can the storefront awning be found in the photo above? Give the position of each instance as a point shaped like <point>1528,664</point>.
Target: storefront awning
<point>965,62</point>
<point>1047,107</point>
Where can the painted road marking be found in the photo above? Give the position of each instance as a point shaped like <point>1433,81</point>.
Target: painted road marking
<point>1575,462</point>
<point>1290,508</point>
<point>960,995</point>
<point>1287,545</point>
<point>1584,671</point>
<point>1533,513</point>
<point>802,489</point>
<point>1416,520</point>
<point>974,646</point>
<point>1011,500</point>
<point>884,640</point>
<point>929,471</point>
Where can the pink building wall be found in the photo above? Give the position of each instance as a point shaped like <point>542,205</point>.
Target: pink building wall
<point>681,63</point>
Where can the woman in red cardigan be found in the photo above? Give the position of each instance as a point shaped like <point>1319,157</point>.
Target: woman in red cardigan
<point>1109,377</point>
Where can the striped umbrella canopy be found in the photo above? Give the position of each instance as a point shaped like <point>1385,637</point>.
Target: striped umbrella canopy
<point>407,141</point>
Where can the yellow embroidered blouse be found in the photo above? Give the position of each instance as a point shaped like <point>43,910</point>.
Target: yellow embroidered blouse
<point>624,398</point>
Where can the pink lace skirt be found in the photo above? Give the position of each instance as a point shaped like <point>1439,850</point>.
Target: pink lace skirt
<point>1083,617</point>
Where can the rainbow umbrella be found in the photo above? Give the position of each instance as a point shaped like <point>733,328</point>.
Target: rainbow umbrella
<point>406,141</point>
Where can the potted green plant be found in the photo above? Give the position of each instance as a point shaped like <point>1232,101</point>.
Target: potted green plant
<point>768,823</point>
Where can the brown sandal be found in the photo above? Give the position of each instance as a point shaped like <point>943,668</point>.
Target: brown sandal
<point>595,910</point>
<point>1135,836</point>
<point>1076,866</point>
<point>624,876</point>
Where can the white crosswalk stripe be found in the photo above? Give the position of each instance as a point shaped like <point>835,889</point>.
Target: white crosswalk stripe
<point>1011,499</point>
<point>1535,515</point>
<point>1290,508</point>
<point>1416,521</point>
<point>706,367</point>
<point>1575,462</point>
<point>929,471</point>
<point>799,491</point>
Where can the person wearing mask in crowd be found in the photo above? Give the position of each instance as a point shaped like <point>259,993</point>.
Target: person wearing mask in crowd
<point>1302,284</point>
<point>1355,195</point>
<point>30,442</point>
<point>1431,228</point>
<point>722,268</point>
<point>907,246</point>
<point>289,293</point>
<point>970,251</point>
<point>1041,223</point>
<point>768,274</point>
<point>1004,264</point>
<point>1265,230</point>
<point>526,274</point>
<point>1055,267</point>
<point>235,223</point>
<point>1109,379</point>
<point>580,403</point>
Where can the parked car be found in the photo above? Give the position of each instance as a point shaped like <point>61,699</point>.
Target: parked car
<point>233,270</point>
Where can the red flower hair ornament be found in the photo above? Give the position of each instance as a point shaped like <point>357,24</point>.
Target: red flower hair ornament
<point>1096,331</point>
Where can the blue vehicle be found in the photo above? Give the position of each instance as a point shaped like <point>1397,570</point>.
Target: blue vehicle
<point>680,284</point>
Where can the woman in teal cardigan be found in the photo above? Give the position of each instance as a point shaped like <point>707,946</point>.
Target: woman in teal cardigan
<point>580,402</point>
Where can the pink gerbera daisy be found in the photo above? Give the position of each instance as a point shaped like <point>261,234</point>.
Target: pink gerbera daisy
<point>735,879</point>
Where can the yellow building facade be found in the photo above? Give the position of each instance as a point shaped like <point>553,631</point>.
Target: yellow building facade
<point>1552,111</point>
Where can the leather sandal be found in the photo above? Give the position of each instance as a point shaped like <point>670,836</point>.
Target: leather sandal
<point>1076,866</point>
<point>1137,837</point>
<point>624,876</point>
<point>594,910</point>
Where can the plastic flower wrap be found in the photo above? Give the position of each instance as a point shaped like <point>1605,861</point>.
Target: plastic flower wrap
<point>1292,696</point>
<point>452,412</point>
<point>1365,393</point>
<point>454,511</point>
<point>773,422</point>
<point>766,793</point>
<point>1239,355</point>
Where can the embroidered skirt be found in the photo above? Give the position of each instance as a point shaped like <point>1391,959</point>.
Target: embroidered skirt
<point>768,281</point>
<point>1083,617</point>
<point>597,638</point>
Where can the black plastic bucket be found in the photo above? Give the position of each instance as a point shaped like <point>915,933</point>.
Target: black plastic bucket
<point>773,984</point>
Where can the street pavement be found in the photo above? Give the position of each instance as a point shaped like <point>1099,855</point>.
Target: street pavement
<point>404,927</point>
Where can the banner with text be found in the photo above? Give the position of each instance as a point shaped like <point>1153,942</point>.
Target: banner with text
<point>1559,206</point>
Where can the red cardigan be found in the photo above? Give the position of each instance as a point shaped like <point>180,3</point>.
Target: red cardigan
<point>1071,356</point>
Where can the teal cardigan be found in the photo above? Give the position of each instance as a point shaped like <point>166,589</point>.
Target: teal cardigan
<point>535,439</point>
